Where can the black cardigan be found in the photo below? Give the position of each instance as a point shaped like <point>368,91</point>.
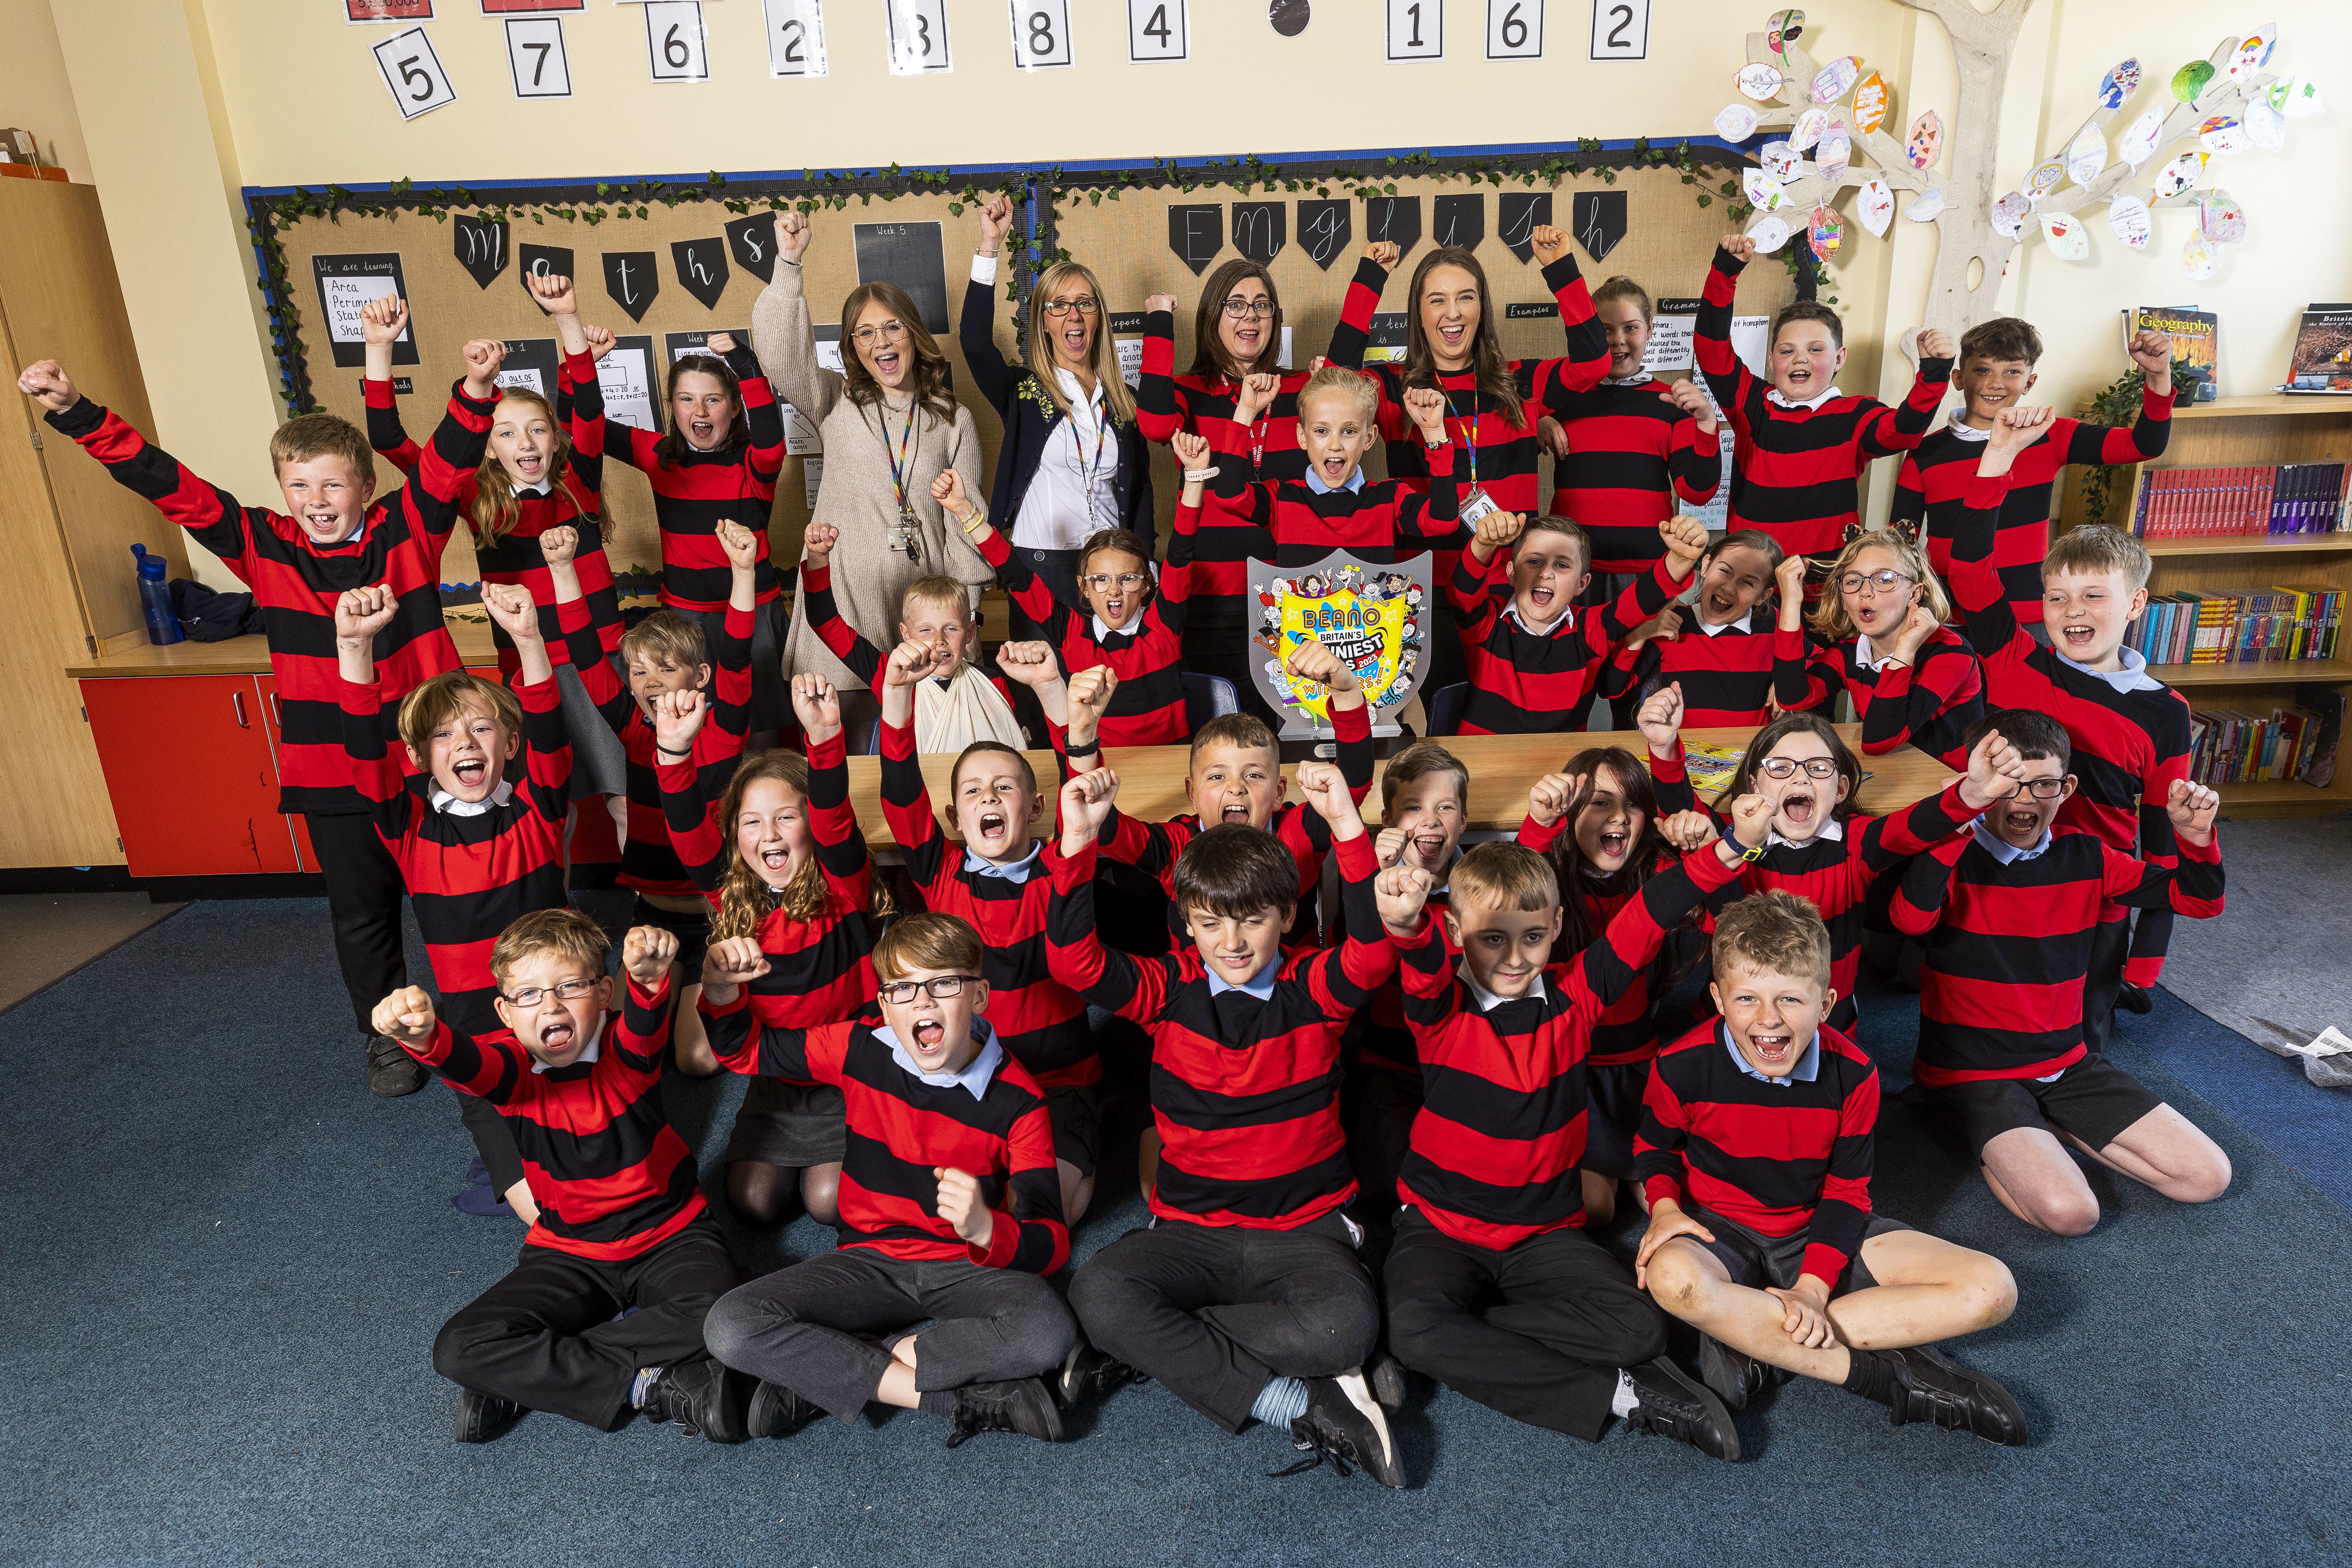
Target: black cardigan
<point>1030,418</point>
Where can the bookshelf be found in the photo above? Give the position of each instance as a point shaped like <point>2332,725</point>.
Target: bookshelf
<point>2269,428</point>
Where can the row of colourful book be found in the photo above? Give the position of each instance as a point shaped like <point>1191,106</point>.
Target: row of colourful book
<point>2231,746</point>
<point>2258,626</point>
<point>2242,500</point>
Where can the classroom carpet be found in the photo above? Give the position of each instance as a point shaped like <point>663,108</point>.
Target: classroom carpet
<point>225,1263</point>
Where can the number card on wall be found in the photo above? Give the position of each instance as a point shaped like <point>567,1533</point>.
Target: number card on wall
<point>1040,34</point>
<point>1621,29</point>
<point>1515,29</point>
<point>1157,30</point>
<point>795,37</point>
<point>347,283</point>
<point>413,73</point>
<point>1416,29</point>
<point>673,42</point>
<point>918,35</point>
<point>535,51</point>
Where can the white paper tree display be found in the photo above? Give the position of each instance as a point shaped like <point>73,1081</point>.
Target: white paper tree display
<point>1846,157</point>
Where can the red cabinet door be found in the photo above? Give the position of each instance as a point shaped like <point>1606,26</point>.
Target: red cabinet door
<point>190,765</point>
<point>274,722</point>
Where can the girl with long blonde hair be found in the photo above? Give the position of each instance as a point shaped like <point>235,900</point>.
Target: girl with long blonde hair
<point>1879,634</point>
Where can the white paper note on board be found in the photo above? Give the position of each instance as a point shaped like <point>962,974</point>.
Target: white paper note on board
<point>625,377</point>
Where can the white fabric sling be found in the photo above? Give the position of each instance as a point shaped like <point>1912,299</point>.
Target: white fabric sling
<point>968,708</point>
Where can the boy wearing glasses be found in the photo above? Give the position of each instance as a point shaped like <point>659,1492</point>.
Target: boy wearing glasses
<point>622,1226</point>
<point>2008,914</point>
<point>951,1209</point>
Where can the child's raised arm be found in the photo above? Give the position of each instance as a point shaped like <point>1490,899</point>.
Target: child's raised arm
<point>590,662</point>
<point>1341,979</point>
<point>641,1041</point>
<point>381,321</point>
<point>863,659</point>
<point>1134,988</point>
<point>1886,432</point>
<point>547,744</point>
<point>1586,360</point>
<point>1726,375</point>
<point>840,846</point>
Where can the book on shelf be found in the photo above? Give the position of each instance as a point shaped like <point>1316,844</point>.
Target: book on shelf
<point>2325,704</point>
<point>2242,501</point>
<point>2196,339</point>
<point>2322,361</point>
<point>2284,625</point>
<point>2233,746</point>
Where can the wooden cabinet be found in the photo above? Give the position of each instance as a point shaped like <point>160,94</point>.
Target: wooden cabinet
<point>191,763</point>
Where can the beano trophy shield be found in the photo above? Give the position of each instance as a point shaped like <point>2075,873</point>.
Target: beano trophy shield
<point>1375,618</point>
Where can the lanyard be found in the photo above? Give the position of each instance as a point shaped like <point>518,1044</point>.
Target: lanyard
<point>1473,423</point>
<point>1089,472</point>
<point>901,462</point>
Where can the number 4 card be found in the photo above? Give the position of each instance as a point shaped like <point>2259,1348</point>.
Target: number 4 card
<point>1157,30</point>
<point>412,72</point>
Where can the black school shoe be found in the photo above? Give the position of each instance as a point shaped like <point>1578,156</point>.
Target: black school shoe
<point>1020,1404</point>
<point>1343,1427</point>
<point>1385,1374</point>
<point>392,1071</point>
<point>1089,1374</point>
<point>1733,1376</point>
<point>775,1410</point>
<point>1669,1402</point>
<point>702,1396</point>
<point>1929,1386</point>
<point>483,1417</point>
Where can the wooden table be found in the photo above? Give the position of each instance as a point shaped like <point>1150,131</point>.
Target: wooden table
<point>250,654</point>
<point>1151,778</point>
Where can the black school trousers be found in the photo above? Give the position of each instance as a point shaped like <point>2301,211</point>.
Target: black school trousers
<point>363,893</point>
<point>1537,1331</point>
<point>472,1013</point>
<point>546,1336</point>
<point>1216,1311</point>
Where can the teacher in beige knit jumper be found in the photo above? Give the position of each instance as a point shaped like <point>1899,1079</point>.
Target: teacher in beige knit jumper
<point>890,425</point>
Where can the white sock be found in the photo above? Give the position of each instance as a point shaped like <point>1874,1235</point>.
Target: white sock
<point>1624,1402</point>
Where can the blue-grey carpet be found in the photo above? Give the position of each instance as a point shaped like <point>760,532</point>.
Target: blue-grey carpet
<point>224,1264</point>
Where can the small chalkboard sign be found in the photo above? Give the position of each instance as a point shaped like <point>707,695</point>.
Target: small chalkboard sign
<point>676,346</point>
<point>480,245</point>
<point>1393,218</point>
<point>532,362</point>
<point>1196,234</point>
<point>1531,311</point>
<point>701,268</point>
<point>544,261</point>
<point>1597,219</point>
<point>754,241</point>
<point>1460,220</point>
<point>1259,229</point>
<point>1385,342</point>
<point>631,384</point>
<point>1324,230</point>
<point>911,254</point>
<point>347,283</point>
<point>1518,215</point>
<point>630,281</point>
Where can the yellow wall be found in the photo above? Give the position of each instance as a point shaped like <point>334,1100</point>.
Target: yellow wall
<point>33,93</point>
<point>182,101</point>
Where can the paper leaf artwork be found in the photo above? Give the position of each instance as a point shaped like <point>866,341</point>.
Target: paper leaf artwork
<point>2190,79</point>
<point>1826,232</point>
<point>2046,176</point>
<point>2223,135</point>
<point>2128,221</point>
<point>2221,218</point>
<point>2118,86</point>
<point>2197,257</point>
<point>1735,121</point>
<point>1835,79</point>
<point>1926,138</point>
<point>1808,128</point>
<point>1765,193</point>
<point>1875,206</point>
<point>2253,52</point>
<point>1833,155</point>
<point>1783,28</point>
<point>2140,139</point>
<point>2064,237</point>
<point>1780,161</point>
<point>1760,82</point>
<point>2265,126</point>
<point>1926,207</point>
<point>2009,214</point>
<point>1870,102</point>
<point>2297,99</point>
<point>1770,233</point>
<point>2087,156</point>
<point>2180,175</point>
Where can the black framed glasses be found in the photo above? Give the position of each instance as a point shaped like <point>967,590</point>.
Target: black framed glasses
<point>2040,789</point>
<point>532,996</point>
<point>1085,305</point>
<point>1882,580</point>
<point>1100,581</point>
<point>878,332</point>
<point>941,986</point>
<point>1785,767</point>
<point>1238,307</point>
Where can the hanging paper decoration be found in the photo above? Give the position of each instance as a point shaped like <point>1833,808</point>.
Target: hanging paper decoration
<point>1875,206</point>
<point>2223,135</point>
<point>1735,123</point>
<point>2265,126</point>
<point>2197,257</point>
<point>1835,79</point>
<point>2045,177</point>
<point>1808,128</point>
<point>2221,218</point>
<point>1783,28</point>
<point>2253,52</point>
<point>2296,98</point>
<point>1926,138</point>
<point>1826,232</point>
<point>1926,207</point>
<point>1769,234</point>
<point>2009,214</point>
<point>1780,161</point>
<point>1764,193</point>
<point>1871,103</point>
<point>2119,85</point>
<point>2141,139</point>
<point>2064,237</point>
<point>1834,152</point>
<point>1760,82</point>
<point>2086,156</point>
<point>2180,175</point>
<point>2128,221</point>
<point>2190,79</point>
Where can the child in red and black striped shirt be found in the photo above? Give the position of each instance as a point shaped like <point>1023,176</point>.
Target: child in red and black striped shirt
<point>1879,636</point>
<point>1334,506</point>
<point>949,1211</point>
<point>1757,1153</point>
<point>1718,648</point>
<point>603,1313</point>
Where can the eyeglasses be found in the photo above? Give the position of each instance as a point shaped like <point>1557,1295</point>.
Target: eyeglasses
<point>1085,305</point>
<point>943,986</point>
<point>1785,767</point>
<point>1237,307</point>
<point>865,337</point>
<point>532,996</point>
<point>1882,580</point>
<point>2040,789</point>
<point>1100,581</point>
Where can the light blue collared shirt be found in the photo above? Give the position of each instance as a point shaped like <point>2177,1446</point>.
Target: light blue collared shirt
<point>1019,871</point>
<point>1808,1067</point>
<point>1355,483</point>
<point>587,1056</point>
<point>2001,849</point>
<point>2132,676</point>
<point>977,1073</point>
<point>1260,985</point>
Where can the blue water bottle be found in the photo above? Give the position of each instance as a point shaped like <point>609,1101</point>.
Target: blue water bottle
<point>155,597</point>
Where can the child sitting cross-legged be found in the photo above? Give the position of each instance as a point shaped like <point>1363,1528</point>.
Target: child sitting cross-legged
<point>951,1212</point>
<point>1493,1285</point>
<point>623,1229</point>
<point>1245,1298</point>
<point>2009,917</point>
<point>1756,1153</point>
